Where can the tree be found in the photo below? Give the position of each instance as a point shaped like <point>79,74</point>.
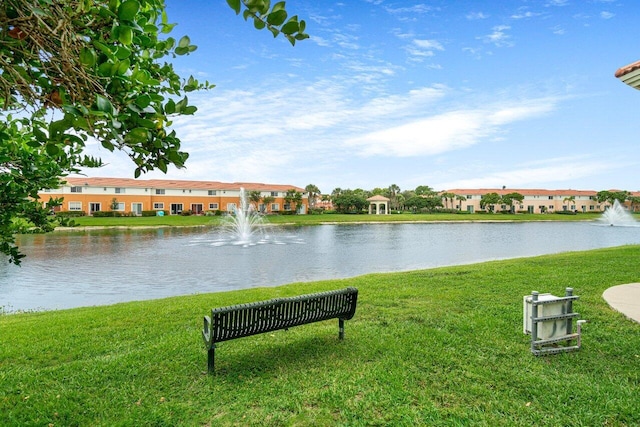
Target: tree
<point>611,196</point>
<point>634,201</point>
<point>293,198</point>
<point>568,200</point>
<point>448,196</point>
<point>490,200</point>
<point>393,196</point>
<point>461,199</point>
<point>254,197</point>
<point>268,200</point>
<point>353,201</point>
<point>71,70</point>
<point>424,190</point>
<point>509,198</point>
<point>313,193</point>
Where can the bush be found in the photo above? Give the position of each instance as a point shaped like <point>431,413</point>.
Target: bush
<point>70,214</point>
<point>107,214</point>
<point>152,213</point>
<point>186,213</point>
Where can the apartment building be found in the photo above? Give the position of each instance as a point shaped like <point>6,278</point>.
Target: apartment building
<point>535,201</point>
<point>171,196</point>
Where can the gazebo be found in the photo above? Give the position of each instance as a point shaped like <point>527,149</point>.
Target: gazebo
<point>378,205</point>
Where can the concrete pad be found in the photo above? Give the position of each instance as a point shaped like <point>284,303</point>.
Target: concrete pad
<point>625,299</point>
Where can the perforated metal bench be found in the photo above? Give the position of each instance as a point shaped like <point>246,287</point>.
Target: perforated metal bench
<point>236,321</point>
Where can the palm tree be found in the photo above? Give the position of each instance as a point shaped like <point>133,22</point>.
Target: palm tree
<point>447,196</point>
<point>568,201</point>
<point>393,192</point>
<point>313,192</point>
<point>461,199</point>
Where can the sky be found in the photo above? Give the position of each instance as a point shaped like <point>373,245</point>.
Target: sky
<point>448,94</point>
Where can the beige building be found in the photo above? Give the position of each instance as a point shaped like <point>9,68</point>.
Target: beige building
<point>133,196</point>
<point>535,201</point>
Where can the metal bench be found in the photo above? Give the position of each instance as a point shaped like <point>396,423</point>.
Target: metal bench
<point>236,321</point>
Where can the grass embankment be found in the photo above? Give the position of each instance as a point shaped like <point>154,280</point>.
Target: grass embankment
<point>437,347</point>
<point>193,220</point>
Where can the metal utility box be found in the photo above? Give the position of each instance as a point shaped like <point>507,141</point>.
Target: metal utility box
<point>549,321</point>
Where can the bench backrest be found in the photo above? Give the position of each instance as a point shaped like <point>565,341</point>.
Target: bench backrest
<point>281,313</point>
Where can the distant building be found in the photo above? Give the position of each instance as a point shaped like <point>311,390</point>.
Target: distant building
<point>535,201</point>
<point>128,195</point>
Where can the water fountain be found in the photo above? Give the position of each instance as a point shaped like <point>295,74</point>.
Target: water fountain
<point>618,215</point>
<point>244,223</point>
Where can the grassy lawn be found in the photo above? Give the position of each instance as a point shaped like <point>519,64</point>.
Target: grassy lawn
<point>178,220</point>
<point>437,347</point>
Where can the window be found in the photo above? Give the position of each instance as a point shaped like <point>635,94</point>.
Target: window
<point>287,206</point>
<point>119,190</point>
<point>550,197</point>
<point>159,190</point>
<point>211,192</point>
<point>231,207</point>
<point>275,207</point>
<point>274,194</point>
<point>75,206</point>
<point>158,205</point>
<point>76,189</point>
<point>119,207</point>
<point>213,206</point>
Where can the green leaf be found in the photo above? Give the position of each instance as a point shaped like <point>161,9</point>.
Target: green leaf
<point>123,66</point>
<point>277,18</point>
<point>88,56</point>
<point>184,42</point>
<point>258,23</point>
<point>235,5</point>
<point>146,123</point>
<point>108,145</point>
<point>162,165</point>
<point>190,110</point>
<point>278,6</point>
<point>103,104</point>
<point>170,107</point>
<point>290,27</point>
<point>143,101</point>
<point>128,10</point>
<point>138,135</point>
<point>52,149</point>
<point>122,52</point>
<point>125,35</point>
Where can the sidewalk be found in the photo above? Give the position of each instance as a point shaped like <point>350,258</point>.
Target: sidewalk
<point>625,299</point>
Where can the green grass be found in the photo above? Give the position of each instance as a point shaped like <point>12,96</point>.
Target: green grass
<point>193,220</point>
<point>437,347</point>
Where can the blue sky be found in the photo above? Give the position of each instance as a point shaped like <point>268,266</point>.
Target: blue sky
<point>449,94</point>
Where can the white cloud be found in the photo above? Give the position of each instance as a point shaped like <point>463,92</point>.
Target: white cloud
<point>476,16</point>
<point>498,37</point>
<point>447,131</point>
<point>606,15</point>
<point>555,172</point>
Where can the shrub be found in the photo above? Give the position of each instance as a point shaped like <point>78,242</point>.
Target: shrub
<point>151,213</point>
<point>70,214</point>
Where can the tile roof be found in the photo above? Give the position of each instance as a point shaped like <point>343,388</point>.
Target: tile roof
<point>532,192</point>
<point>627,69</point>
<point>179,184</point>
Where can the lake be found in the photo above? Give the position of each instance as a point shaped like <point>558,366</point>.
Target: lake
<point>74,269</point>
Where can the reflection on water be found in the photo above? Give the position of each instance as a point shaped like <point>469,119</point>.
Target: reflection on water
<point>64,270</point>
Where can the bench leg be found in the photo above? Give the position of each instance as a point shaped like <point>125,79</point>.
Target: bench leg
<point>341,329</point>
<point>211,354</point>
